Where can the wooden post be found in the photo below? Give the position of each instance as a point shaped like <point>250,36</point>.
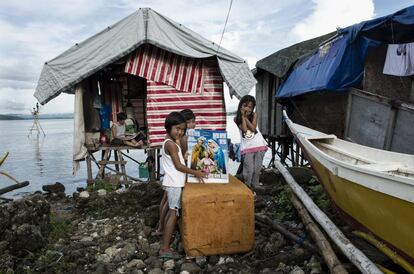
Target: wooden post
<point>273,142</point>
<point>297,153</point>
<point>362,262</point>
<point>158,165</point>
<point>292,153</point>
<point>116,160</point>
<point>325,247</point>
<point>105,158</point>
<point>151,164</point>
<point>89,169</point>
<point>122,163</point>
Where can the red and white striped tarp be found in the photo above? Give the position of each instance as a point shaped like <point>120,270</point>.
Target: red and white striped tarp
<point>208,107</point>
<point>155,64</point>
<point>168,75</point>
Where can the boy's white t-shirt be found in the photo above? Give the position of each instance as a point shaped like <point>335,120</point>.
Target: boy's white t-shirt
<point>120,130</point>
<point>172,177</point>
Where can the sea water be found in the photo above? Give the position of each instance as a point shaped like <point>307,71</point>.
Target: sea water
<point>48,159</point>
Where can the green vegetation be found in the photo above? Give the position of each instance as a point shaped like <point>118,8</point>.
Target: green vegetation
<point>286,211</point>
<point>60,227</point>
<point>317,193</point>
<point>106,184</point>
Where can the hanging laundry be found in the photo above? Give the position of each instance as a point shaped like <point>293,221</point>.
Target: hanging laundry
<point>399,60</point>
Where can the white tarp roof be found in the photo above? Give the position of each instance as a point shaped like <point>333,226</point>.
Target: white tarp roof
<point>145,25</point>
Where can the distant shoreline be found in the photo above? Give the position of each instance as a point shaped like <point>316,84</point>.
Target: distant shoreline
<point>41,117</point>
<point>55,116</point>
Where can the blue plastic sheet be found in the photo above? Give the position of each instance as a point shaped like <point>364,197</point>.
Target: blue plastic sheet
<point>339,64</point>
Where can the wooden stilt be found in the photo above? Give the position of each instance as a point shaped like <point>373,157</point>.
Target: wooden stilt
<point>89,169</point>
<point>116,159</point>
<point>101,173</point>
<point>151,164</point>
<point>122,163</point>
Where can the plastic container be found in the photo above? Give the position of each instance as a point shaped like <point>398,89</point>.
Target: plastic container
<point>217,218</point>
<point>105,114</point>
<point>143,171</point>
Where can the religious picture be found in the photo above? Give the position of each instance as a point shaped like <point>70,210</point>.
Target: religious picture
<point>207,151</point>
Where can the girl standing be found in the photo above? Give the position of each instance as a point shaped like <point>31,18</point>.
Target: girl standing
<point>173,163</point>
<point>253,146</point>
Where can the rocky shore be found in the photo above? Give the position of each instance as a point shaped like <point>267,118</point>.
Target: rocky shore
<point>110,232</point>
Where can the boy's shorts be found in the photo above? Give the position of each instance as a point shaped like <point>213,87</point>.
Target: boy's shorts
<point>174,197</point>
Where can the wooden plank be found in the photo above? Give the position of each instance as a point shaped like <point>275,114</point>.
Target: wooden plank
<point>403,132</point>
<point>116,162</point>
<point>390,128</point>
<point>348,113</point>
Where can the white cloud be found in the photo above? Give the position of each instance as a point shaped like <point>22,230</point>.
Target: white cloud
<point>327,15</point>
<point>33,32</point>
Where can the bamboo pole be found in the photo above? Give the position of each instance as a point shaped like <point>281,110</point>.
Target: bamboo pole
<point>286,232</point>
<point>13,187</point>
<point>387,251</point>
<point>325,247</point>
<point>362,262</point>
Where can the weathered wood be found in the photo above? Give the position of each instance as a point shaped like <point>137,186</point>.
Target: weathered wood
<point>286,232</point>
<point>110,147</point>
<point>89,169</point>
<point>292,153</point>
<point>325,247</point>
<point>118,162</point>
<point>151,167</point>
<point>101,172</point>
<point>362,262</point>
<point>13,187</point>
<point>123,170</point>
<point>296,154</point>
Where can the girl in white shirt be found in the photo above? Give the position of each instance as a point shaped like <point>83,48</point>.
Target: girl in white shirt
<point>173,163</point>
<point>253,146</point>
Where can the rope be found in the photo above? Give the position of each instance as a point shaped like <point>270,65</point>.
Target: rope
<point>225,24</point>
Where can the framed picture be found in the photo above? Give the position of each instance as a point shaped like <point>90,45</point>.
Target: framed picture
<point>208,151</point>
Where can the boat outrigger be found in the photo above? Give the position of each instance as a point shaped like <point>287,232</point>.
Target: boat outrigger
<point>375,188</point>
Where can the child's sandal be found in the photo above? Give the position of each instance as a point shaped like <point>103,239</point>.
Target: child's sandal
<point>169,255</point>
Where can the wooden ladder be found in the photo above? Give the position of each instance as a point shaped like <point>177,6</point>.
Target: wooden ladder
<point>119,162</point>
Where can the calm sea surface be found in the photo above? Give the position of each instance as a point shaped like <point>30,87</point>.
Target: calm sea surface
<point>46,160</point>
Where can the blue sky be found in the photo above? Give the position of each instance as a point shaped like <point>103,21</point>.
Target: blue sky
<point>32,32</point>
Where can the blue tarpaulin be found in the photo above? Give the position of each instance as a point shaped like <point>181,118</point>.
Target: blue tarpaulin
<point>339,64</point>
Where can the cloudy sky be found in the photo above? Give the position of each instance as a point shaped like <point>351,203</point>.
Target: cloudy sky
<point>32,32</point>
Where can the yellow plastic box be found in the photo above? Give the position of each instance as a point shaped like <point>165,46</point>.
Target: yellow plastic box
<point>217,218</point>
